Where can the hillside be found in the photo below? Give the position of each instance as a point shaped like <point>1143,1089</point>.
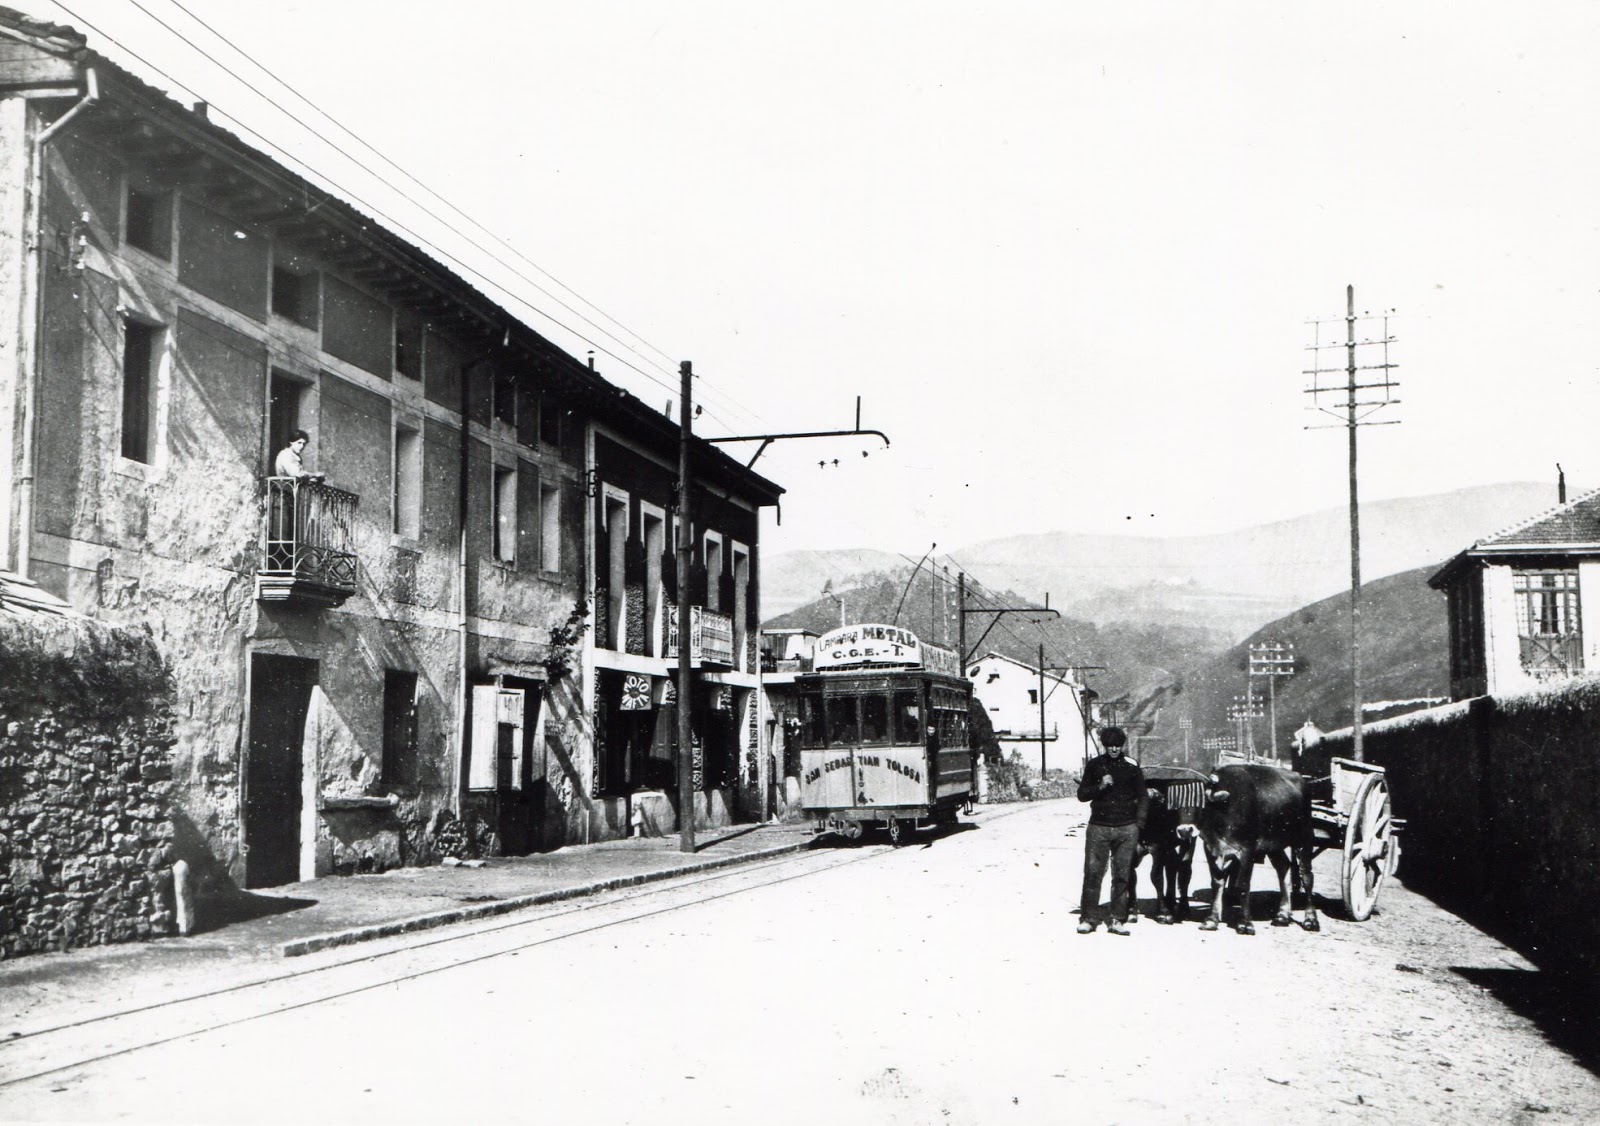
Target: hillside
<point>1405,652</point>
<point>1229,583</point>
<point>1137,659</point>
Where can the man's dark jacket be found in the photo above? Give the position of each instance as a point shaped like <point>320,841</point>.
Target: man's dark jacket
<point>1124,802</point>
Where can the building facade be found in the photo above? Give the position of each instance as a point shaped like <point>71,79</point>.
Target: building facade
<point>1009,691</point>
<point>418,651</point>
<point>1524,603</point>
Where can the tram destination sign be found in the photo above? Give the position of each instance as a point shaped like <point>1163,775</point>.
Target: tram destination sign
<point>875,644</point>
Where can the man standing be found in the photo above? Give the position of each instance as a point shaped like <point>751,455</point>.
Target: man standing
<point>1114,789</point>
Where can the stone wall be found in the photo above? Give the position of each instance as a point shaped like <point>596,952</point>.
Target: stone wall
<point>86,833</point>
<point>1501,797</point>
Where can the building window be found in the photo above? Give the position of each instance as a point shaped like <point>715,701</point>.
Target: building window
<point>741,606</point>
<point>504,504</point>
<point>549,421</point>
<point>399,727</point>
<point>407,475</point>
<point>617,570</point>
<point>408,345</point>
<point>713,571</point>
<point>1033,695</point>
<point>549,526</point>
<point>1547,620</point>
<point>149,224</point>
<point>654,526</point>
<point>296,295</point>
<point>504,406</point>
<point>141,355</point>
<point>1466,634</point>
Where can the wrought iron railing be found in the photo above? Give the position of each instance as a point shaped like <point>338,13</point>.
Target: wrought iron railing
<point>310,532</point>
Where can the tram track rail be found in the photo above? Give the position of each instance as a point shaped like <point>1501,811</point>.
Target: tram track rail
<point>36,1053</point>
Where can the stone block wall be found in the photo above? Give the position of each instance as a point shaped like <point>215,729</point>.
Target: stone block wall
<point>86,832</point>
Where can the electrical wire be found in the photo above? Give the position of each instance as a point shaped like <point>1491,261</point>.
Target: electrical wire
<point>728,402</point>
<point>270,100</point>
<point>378,212</point>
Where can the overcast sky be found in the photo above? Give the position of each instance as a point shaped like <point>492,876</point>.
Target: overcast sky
<point>1064,252</point>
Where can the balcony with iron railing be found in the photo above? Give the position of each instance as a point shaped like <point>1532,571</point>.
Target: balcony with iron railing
<point>309,535</point>
<point>710,636</point>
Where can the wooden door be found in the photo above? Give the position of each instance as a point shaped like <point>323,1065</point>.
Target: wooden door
<point>280,704</point>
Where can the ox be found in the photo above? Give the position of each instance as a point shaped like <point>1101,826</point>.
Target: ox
<point>1171,854</point>
<point>1253,810</point>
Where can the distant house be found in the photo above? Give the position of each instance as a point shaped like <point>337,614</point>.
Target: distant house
<point>1524,603</point>
<point>1010,690</point>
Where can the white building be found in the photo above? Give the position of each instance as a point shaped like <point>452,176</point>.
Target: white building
<point>1010,691</point>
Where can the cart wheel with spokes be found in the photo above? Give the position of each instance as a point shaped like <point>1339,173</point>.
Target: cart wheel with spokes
<point>1370,847</point>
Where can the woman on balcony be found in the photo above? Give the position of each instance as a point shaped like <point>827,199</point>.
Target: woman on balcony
<point>287,536</point>
<point>288,462</point>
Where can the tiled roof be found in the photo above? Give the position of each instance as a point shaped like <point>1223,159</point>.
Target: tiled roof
<point>23,598</point>
<point>1576,522</point>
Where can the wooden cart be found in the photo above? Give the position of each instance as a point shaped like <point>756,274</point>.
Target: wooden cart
<point>1358,820</point>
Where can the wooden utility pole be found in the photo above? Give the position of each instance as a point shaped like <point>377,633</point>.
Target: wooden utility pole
<point>1353,413</point>
<point>685,614</point>
<point>1041,712</point>
<point>1272,659</point>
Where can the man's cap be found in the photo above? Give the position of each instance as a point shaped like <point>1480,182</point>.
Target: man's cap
<point>1112,737</point>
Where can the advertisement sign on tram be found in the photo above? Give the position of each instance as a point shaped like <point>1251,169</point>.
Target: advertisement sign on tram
<point>875,644</point>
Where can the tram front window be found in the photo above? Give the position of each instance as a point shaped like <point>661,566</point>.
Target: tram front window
<point>907,718</point>
<point>843,729</point>
<point>874,719</point>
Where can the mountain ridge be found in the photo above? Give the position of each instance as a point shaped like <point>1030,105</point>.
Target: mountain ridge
<point>1229,582</point>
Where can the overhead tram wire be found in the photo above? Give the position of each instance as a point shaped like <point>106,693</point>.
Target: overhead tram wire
<point>377,212</point>
<point>973,592</point>
<point>268,98</point>
<point>728,402</point>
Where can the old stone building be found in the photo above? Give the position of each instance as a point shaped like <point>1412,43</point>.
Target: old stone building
<point>423,645</point>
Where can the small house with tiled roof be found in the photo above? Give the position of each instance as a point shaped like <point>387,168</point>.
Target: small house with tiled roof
<point>1524,603</point>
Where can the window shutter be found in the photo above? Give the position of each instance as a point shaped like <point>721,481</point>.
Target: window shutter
<point>485,744</point>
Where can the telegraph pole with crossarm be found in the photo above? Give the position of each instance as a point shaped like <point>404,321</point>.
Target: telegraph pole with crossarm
<point>1342,402</point>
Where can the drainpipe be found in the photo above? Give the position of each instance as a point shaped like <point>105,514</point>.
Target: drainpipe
<point>31,324</point>
<point>463,511</point>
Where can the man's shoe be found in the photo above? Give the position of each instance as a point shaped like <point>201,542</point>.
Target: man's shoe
<point>1118,928</point>
<point>1086,927</point>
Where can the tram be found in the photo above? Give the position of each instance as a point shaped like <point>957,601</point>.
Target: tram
<point>883,732</point>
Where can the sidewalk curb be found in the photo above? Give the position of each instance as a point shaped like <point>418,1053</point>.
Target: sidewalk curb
<point>372,931</point>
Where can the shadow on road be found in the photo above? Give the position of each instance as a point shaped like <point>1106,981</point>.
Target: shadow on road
<point>1562,1008</point>
<point>241,906</point>
<point>927,837</point>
